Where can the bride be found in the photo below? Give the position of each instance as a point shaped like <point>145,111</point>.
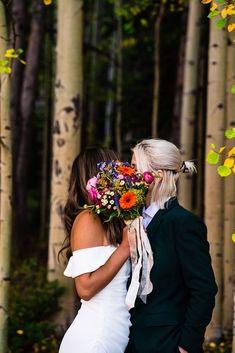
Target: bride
<point>99,264</point>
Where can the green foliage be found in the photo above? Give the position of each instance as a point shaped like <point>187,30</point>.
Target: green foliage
<point>5,64</point>
<point>33,300</point>
<point>233,89</point>
<point>228,165</point>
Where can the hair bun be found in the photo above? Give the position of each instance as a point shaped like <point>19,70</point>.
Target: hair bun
<point>188,167</point>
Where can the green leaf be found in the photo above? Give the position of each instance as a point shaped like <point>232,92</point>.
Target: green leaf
<point>221,2</point>
<point>143,22</point>
<point>213,13</point>
<point>213,145</point>
<point>23,62</point>
<point>213,157</point>
<point>221,23</point>
<point>223,170</point>
<point>20,50</point>
<point>233,89</point>
<point>230,133</point>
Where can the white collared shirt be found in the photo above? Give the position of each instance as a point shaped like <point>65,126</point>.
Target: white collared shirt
<point>148,213</point>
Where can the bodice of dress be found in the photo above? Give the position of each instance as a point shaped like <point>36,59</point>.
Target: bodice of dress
<point>90,259</point>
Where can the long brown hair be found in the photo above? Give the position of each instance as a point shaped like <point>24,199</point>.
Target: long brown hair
<point>84,167</point>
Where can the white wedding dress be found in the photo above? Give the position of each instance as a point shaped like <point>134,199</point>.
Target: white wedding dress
<point>102,323</point>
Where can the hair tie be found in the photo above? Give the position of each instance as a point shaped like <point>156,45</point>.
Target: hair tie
<point>183,167</point>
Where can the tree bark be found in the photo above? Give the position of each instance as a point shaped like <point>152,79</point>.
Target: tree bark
<point>91,124</point>
<point>190,88</point>
<point>5,188</point>
<point>156,82</point>
<point>110,99</point>
<point>229,202</point>
<point>66,138</point>
<point>29,91</point>
<point>213,182</point>
<point>119,93</point>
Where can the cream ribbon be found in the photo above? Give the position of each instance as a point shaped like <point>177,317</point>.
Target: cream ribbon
<point>141,262</point>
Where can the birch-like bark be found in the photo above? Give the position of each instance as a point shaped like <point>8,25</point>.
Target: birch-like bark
<point>66,138</point>
<point>229,201</point>
<point>213,182</point>
<point>5,187</point>
<point>190,87</point>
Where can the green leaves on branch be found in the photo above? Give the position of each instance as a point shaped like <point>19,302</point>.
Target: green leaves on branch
<point>5,64</point>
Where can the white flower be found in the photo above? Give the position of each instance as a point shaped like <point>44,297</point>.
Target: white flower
<point>114,207</point>
<point>111,202</point>
<point>98,211</point>
<point>109,206</point>
<point>122,182</point>
<point>112,193</point>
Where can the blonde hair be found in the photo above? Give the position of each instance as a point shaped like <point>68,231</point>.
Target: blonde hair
<point>154,154</point>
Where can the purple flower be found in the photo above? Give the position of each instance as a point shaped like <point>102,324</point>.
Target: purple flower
<point>91,183</point>
<point>148,177</point>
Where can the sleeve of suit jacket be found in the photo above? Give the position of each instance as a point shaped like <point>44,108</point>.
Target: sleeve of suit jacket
<point>193,251</point>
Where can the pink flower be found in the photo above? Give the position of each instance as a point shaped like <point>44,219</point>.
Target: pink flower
<point>91,183</point>
<point>93,193</point>
<point>148,177</point>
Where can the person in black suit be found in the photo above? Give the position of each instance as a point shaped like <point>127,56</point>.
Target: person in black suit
<point>180,306</point>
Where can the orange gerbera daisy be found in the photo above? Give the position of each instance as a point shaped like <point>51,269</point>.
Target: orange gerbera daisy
<point>123,169</point>
<point>128,200</point>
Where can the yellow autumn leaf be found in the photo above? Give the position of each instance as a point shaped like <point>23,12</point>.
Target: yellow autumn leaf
<point>213,145</point>
<point>229,162</point>
<point>230,12</point>
<point>47,2</point>
<point>221,149</point>
<point>206,1</point>
<point>231,152</point>
<point>224,13</point>
<point>231,27</point>
<point>213,7</point>
<point>233,237</point>
<point>233,169</point>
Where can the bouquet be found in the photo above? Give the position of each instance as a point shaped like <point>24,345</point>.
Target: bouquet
<point>118,190</point>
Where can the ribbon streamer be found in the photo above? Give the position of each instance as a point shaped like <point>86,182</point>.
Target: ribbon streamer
<point>141,263</point>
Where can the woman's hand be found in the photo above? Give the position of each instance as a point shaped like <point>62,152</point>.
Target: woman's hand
<point>182,350</point>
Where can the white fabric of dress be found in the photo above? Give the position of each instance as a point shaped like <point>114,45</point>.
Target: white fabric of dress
<point>102,323</point>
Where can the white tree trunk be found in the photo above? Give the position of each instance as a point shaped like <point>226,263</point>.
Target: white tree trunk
<point>66,137</point>
<point>213,182</point>
<point>5,188</point>
<point>190,88</point>
<point>229,202</point>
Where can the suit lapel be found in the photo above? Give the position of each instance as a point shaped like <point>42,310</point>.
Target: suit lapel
<point>158,217</point>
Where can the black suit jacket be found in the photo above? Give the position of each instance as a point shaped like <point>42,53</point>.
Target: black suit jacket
<point>181,303</point>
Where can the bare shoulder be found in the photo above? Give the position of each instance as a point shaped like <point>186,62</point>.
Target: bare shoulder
<point>87,231</point>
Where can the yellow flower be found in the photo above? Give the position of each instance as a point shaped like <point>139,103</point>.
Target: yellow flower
<point>47,2</point>
<point>20,332</point>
